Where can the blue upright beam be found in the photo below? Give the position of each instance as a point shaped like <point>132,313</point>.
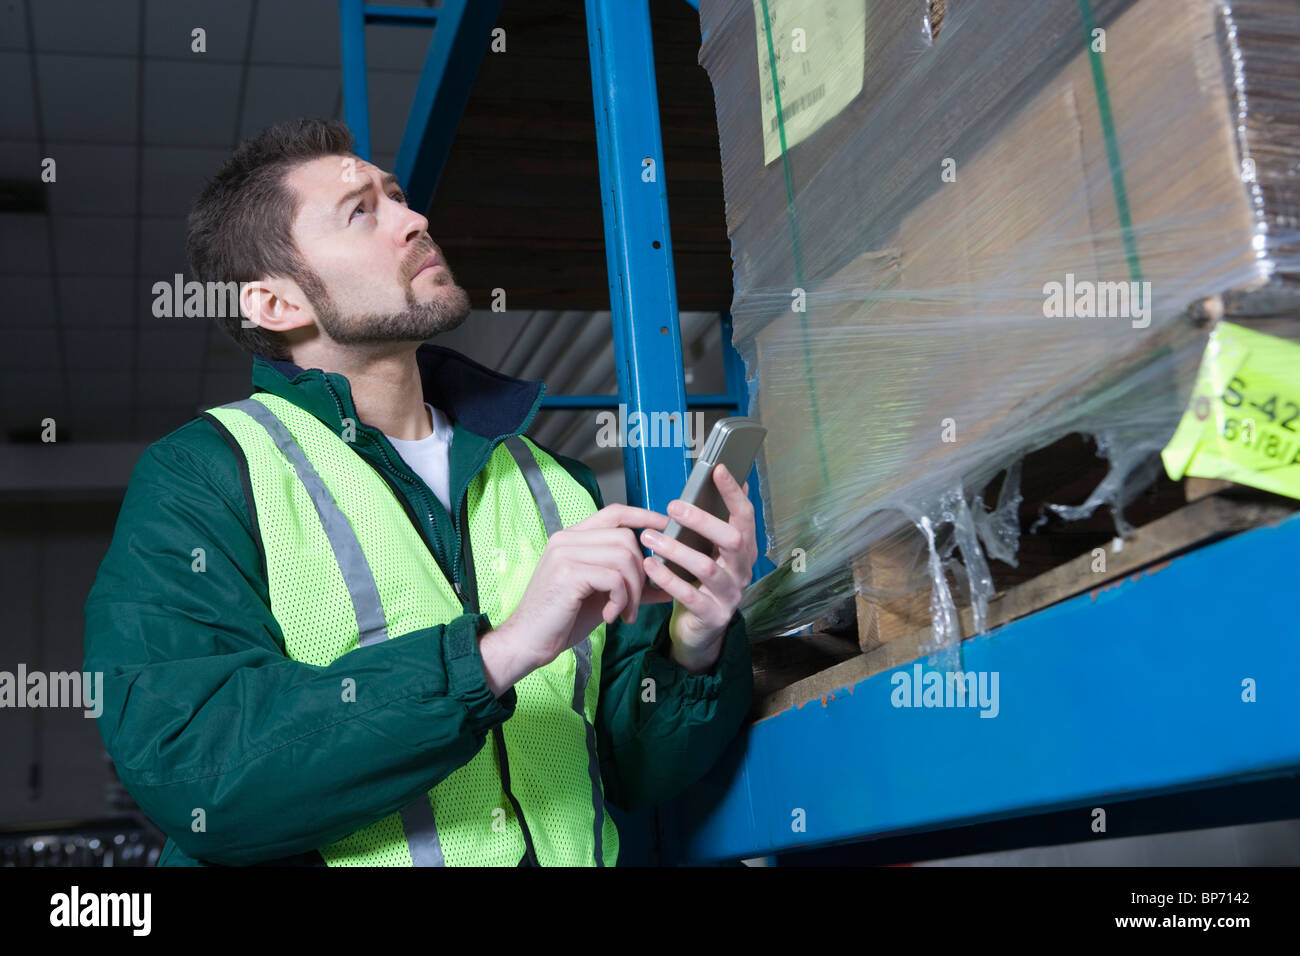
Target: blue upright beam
<point>638,249</point>
<point>455,53</point>
<point>356,95</point>
<point>392,16</point>
<point>1135,690</point>
<point>450,67</point>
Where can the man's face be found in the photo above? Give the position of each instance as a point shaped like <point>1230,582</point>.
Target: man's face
<point>381,278</point>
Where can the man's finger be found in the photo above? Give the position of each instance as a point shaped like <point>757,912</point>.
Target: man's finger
<point>608,581</point>
<point>654,595</point>
<point>587,539</point>
<point>738,504</point>
<point>701,565</point>
<point>624,560</point>
<point>694,599</point>
<point>623,516</point>
<point>726,536</point>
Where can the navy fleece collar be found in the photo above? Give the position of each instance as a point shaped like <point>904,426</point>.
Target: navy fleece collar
<point>474,396</point>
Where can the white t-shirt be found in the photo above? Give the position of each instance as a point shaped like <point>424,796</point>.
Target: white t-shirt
<point>430,458</point>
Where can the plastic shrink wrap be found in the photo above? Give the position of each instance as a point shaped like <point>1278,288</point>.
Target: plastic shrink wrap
<point>962,231</point>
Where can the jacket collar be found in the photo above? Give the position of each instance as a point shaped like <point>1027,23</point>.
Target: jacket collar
<point>476,398</point>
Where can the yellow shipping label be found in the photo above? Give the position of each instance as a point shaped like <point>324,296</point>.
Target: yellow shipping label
<point>811,61</point>
<point>1243,421</point>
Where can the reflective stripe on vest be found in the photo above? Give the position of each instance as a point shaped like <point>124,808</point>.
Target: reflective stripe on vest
<point>493,506</point>
<point>550,515</point>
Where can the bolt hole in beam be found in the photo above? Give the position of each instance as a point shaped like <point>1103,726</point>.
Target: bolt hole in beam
<point>655,243</point>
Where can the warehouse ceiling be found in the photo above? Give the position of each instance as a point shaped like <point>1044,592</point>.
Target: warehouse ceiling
<point>136,122</point>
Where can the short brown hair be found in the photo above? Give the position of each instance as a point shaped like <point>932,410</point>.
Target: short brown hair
<point>240,227</point>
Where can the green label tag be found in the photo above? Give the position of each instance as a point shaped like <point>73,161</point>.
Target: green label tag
<point>1243,422</point>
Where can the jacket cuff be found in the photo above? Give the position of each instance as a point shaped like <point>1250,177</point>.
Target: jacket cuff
<point>669,675</point>
<point>466,678</point>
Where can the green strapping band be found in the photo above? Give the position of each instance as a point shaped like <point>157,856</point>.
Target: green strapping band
<point>1112,145</point>
<point>794,238</point>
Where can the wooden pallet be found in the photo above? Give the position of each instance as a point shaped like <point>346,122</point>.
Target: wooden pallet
<point>894,634</point>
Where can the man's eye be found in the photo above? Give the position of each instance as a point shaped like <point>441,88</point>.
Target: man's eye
<point>398,196</point>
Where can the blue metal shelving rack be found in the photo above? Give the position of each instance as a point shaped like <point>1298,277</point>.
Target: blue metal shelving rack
<point>1130,692</point>
<point>643,291</point>
<point>1134,691</point>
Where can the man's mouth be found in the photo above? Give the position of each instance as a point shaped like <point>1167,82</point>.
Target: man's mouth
<point>433,261</point>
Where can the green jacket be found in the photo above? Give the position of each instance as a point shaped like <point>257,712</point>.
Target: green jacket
<point>203,710</point>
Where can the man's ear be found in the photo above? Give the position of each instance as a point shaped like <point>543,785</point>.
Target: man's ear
<point>276,304</point>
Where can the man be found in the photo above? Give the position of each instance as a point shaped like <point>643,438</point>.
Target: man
<point>357,618</point>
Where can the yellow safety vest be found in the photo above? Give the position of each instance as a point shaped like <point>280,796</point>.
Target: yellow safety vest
<point>347,568</point>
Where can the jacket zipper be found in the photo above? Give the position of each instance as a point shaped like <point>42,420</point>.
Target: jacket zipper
<point>503,764</point>
<point>433,525</point>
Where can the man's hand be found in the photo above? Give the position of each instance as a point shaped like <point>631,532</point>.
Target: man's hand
<point>589,572</point>
<point>701,614</point>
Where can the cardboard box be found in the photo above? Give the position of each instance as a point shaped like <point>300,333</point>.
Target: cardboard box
<point>926,292</point>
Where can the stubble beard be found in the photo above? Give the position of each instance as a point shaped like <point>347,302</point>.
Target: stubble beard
<point>419,322</point>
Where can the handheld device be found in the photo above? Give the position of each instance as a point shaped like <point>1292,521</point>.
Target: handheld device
<point>734,442</point>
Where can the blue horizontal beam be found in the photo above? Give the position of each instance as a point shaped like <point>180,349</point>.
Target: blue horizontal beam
<point>1134,690</point>
<point>712,400</point>
<point>707,400</point>
<point>401,16</point>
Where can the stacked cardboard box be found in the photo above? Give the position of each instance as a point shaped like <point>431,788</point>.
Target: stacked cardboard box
<point>922,221</point>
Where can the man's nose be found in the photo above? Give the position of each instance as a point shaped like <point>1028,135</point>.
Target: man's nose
<point>414,227</point>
